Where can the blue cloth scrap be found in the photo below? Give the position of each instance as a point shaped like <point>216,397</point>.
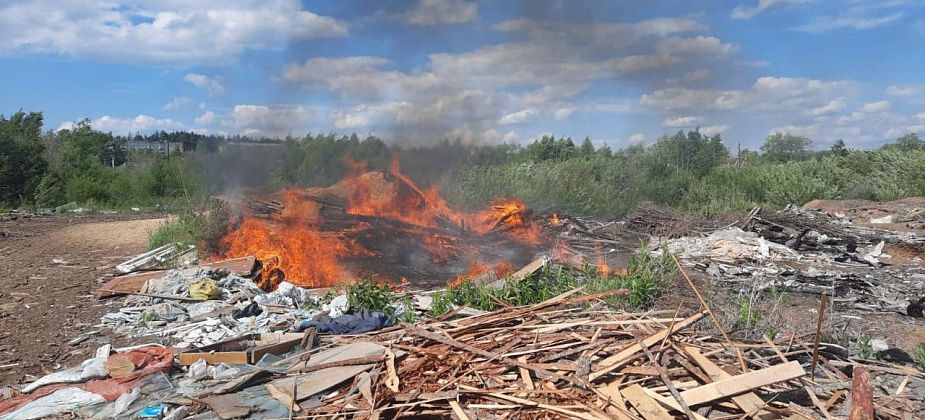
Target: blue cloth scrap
<point>348,323</point>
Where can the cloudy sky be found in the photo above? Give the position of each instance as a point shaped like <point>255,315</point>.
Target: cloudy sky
<point>417,71</point>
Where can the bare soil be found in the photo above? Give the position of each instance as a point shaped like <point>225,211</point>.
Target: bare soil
<point>49,269</point>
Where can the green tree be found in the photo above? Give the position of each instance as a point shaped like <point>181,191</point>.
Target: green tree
<point>839,148</point>
<point>22,164</point>
<point>587,148</point>
<point>780,148</point>
<point>910,141</point>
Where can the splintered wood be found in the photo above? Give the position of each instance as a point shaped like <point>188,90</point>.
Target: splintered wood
<point>570,357</point>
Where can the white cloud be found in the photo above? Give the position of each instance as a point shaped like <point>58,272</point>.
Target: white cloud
<point>207,118</point>
<point>433,12</point>
<point>859,16</point>
<point>696,46</point>
<point>213,85</point>
<point>680,122</point>
<point>712,130</point>
<point>270,121</point>
<point>168,32</point>
<point>921,116</point>
<point>748,12</point>
<point>879,106</point>
<point>695,76</point>
<point>542,71</point>
<point>637,138</point>
<point>905,91</point>
<point>771,94</point>
<point>119,126</point>
<point>834,106</point>
<point>517,117</point>
<point>563,113</point>
<point>177,103</point>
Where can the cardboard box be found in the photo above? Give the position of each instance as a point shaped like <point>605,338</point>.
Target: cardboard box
<point>247,349</point>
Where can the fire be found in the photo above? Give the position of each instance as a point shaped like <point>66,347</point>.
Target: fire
<point>477,269</point>
<point>555,220</point>
<point>298,247</point>
<point>292,249</point>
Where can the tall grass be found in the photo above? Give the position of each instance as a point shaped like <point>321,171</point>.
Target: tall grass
<point>612,186</point>
<point>646,279</point>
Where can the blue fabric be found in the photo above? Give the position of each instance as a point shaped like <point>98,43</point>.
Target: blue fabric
<point>348,323</point>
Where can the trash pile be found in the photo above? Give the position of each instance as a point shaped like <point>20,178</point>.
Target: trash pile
<point>211,343</point>
<point>812,252</point>
<point>567,357</point>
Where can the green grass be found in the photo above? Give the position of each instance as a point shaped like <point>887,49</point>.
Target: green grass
<point>201,225</point>
<point>647,278</point>
<point>920,356</point>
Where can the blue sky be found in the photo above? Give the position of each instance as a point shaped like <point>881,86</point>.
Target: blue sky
<point>418,71</point>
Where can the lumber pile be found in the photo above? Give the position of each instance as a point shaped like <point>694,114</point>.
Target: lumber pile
<point>569,358</point>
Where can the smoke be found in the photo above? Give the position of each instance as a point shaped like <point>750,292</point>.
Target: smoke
<point>542,61</point>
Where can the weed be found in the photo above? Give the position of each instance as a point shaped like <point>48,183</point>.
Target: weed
<point>371,295</point>
<point>771,332</point>
<point>408,315</point>
<point>748,317</point>
<point>442,303</point>
<point>920,356</point>
<point>864,347</point>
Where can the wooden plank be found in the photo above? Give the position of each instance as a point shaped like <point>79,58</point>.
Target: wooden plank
<point>131,283</point>
<point>459,411</point>
<point>748,402</point>
<point>321,380</point>
<point>648,408</point>
<point>862,395</point>
<point>613,362</point>
<point>671,403</point>
<point>745,382</point>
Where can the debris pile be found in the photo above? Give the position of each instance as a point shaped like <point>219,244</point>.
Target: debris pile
<point>812,252</point>
<point>567,357</point>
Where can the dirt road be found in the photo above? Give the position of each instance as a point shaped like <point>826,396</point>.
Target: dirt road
<point>49,268</point>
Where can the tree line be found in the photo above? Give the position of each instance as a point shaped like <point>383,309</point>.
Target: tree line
<point>687,170</point>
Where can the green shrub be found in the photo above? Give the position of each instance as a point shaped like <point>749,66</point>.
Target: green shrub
<point>371,295</point>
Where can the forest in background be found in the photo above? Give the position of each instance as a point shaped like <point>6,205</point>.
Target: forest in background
<point>688,171</point>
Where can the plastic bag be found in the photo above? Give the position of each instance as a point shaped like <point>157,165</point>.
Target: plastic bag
<point>204,290</point>
<point>125,400</point>
<point>223,371</point>
<point>198,370</point>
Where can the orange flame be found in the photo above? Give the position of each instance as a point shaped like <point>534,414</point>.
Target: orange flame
<point>293,248</point>
<point>476,269</point>
<point>555,220</point>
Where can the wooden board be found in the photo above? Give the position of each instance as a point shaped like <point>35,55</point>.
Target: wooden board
<point>312,383</point>
<point>130,283</point>
<point>648,408</point>
<point>862,395</point>
<point>745,382</point>
<point>748,402</point>
<point>275,343</point>
<point>133,283</point>
<point>613,362</point>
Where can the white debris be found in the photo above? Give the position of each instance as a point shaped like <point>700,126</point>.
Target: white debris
<point>732,244</point>
<point>882,220</point>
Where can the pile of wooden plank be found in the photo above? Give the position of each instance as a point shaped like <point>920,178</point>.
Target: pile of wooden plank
<point>569,357</point>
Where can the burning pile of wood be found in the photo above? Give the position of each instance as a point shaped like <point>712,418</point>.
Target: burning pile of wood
<point>376,223</point>
<point>570,358</point>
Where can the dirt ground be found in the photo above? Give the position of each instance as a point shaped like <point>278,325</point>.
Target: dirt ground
<point>49,268</point>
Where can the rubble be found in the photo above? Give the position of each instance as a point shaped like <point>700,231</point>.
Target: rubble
<point>810,252</point>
